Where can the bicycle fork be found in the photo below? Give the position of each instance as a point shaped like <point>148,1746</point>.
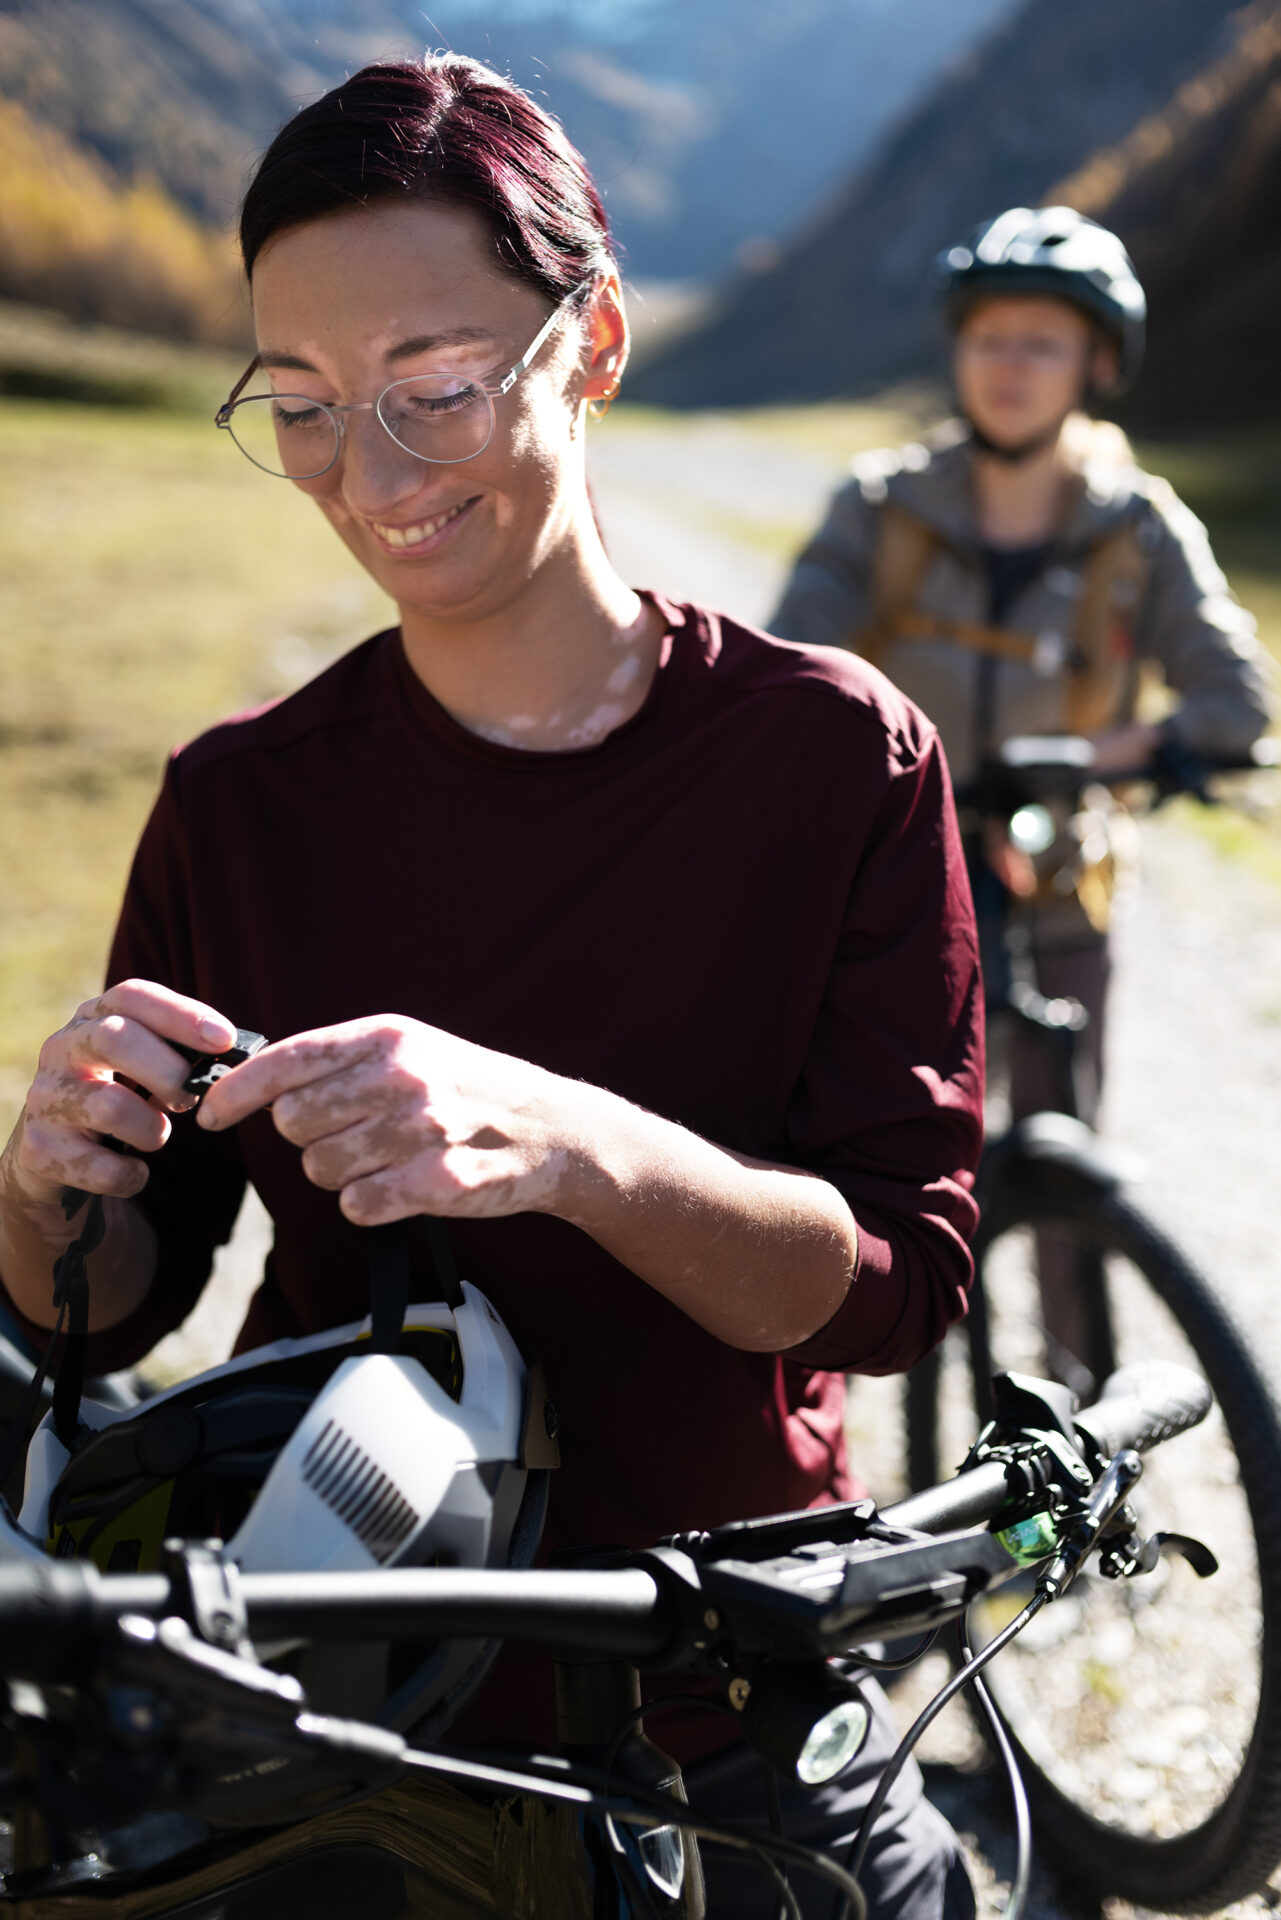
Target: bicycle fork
<point>638,1872</point>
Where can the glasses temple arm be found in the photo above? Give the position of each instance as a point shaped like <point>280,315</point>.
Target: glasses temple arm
<point>548,327</point>
<point>224,411</point>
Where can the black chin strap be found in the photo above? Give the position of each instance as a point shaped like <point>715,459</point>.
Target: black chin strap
<point>1014,456</point>
<point>389,1268</point>
<point>71,1298</point>
<point>71,1290</point>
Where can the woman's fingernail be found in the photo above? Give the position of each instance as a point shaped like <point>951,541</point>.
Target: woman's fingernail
<point>206,1119</point>
<point>212,1030</point>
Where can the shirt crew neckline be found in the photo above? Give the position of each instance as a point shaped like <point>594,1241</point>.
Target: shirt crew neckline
<point>428,719</point>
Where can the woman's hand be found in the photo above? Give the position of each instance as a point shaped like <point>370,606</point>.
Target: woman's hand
<point>74,1100</point>
<point>399,1118</point>
<point>1127,749</point>
<point>75,1097</point>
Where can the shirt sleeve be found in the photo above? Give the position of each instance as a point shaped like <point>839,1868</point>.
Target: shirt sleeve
<point>196,1180</point>
<point>890,1104</point>
<point>1205,642</point>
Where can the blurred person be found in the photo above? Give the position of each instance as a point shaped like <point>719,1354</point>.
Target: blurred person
<point>632,942</point>
<point>1018,572</point>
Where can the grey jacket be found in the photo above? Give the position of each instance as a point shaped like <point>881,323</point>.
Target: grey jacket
<point>1188,623</point>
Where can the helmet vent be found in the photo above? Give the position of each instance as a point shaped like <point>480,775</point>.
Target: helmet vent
<point>355,1488</point>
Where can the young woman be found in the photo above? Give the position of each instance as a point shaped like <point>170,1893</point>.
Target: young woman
<point>632,942</point>
<point>1015,574</point>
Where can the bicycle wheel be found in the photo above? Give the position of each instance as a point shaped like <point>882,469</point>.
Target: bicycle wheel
<point>1146,1713</point>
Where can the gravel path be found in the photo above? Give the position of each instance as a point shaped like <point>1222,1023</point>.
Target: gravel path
<point>1195,1061</point>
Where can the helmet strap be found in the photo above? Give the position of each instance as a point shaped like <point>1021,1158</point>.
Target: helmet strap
<point>389,1271</point>
<point>1013,456</point>
<point>388,1284</point>
<point>71,1298</point>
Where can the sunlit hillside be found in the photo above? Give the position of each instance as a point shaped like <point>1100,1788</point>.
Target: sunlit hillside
<point>1213,274</point>
<point>74,237</point>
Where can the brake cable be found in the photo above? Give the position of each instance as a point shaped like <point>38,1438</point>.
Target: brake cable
<point>963,1678</point>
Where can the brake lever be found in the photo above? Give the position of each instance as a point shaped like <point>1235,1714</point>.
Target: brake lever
<point>1108,1494</point>
<point>1126,1558</point>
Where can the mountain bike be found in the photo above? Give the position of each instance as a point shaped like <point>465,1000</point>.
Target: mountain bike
<point>136,1705</point>
<point>1150,1788</point>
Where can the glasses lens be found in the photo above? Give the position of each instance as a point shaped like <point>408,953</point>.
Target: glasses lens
<point>439,417</point>
<point>285,434</point>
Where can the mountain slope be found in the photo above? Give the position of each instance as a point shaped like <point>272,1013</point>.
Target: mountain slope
<point>1213,274</point>
<point>713,125</point>
<point>847,306</point>
<point>710,124</point>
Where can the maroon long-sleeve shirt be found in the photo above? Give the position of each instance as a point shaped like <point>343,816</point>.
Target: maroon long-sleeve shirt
<point>745,910</point>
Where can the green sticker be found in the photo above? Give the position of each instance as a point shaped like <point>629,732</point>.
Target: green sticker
<point>1030,1539</point>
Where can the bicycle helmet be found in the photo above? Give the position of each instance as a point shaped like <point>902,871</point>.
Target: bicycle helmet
<point>1060,253</point>
<point>323,1453</point>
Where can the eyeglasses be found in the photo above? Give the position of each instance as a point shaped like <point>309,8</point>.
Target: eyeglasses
<point>441,417</point>
<point>1037,350</point>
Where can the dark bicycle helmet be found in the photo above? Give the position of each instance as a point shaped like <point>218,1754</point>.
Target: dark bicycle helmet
<point>1057,252</point>
<point>322,1453</point>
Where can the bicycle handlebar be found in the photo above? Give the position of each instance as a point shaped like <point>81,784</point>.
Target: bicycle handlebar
<point>1032,767</point>
<point>819,1580</point>
<point>1143,1405</point>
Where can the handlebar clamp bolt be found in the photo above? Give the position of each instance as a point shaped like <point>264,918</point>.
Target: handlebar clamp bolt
<point>711,1619</point>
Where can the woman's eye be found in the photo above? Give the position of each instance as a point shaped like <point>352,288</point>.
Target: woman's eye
<point>297,416</point>
<point>432,405</point>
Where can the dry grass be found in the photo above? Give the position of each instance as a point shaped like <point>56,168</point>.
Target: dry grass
<point>150,583</point>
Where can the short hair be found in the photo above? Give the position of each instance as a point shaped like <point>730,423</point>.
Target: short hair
<point>444,128</point>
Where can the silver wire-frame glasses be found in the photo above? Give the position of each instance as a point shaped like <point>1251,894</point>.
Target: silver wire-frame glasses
<point>441,417</point>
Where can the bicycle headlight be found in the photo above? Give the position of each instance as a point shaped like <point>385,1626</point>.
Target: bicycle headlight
<point>807,1718</point>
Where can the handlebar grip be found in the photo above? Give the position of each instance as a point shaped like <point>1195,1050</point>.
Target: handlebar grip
<point>47,1617</point>
<point>1144,1404</point>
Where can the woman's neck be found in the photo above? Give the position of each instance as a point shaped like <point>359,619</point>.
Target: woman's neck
<point>563,665</point>
<point>1023,503</point>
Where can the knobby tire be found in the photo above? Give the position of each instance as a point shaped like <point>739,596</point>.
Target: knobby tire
<point>1232,1852</point>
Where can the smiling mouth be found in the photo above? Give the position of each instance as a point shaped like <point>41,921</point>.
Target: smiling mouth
<point>421,530</point>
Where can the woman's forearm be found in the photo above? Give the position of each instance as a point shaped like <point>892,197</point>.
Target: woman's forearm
<point>34,1232</point>
<point>759,1255</point>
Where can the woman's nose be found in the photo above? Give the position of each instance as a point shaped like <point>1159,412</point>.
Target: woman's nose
<point>376,472</point>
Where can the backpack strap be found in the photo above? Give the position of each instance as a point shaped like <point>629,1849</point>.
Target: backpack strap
<point>1105,669</point>
<point>904,548</point>
<point>1099,657</point>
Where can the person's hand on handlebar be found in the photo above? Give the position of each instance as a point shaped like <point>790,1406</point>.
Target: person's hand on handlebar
<point>76,1099</point>
<point>1122,749</point>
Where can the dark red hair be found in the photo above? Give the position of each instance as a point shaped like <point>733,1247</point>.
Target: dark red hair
<point>444,128</point>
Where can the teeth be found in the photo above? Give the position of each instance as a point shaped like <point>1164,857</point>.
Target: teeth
<point>410,536</point>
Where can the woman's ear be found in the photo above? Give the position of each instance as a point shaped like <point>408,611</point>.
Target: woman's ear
<point>609,339</point>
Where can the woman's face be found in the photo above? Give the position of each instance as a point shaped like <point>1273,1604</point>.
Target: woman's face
<point>347,304</point>
<point>1021,365</point>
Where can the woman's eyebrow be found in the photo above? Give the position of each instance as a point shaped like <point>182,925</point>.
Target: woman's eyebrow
<point>430,342</point>
<point>403,350</point>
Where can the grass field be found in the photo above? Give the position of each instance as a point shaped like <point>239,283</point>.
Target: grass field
<point>151,582</point>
